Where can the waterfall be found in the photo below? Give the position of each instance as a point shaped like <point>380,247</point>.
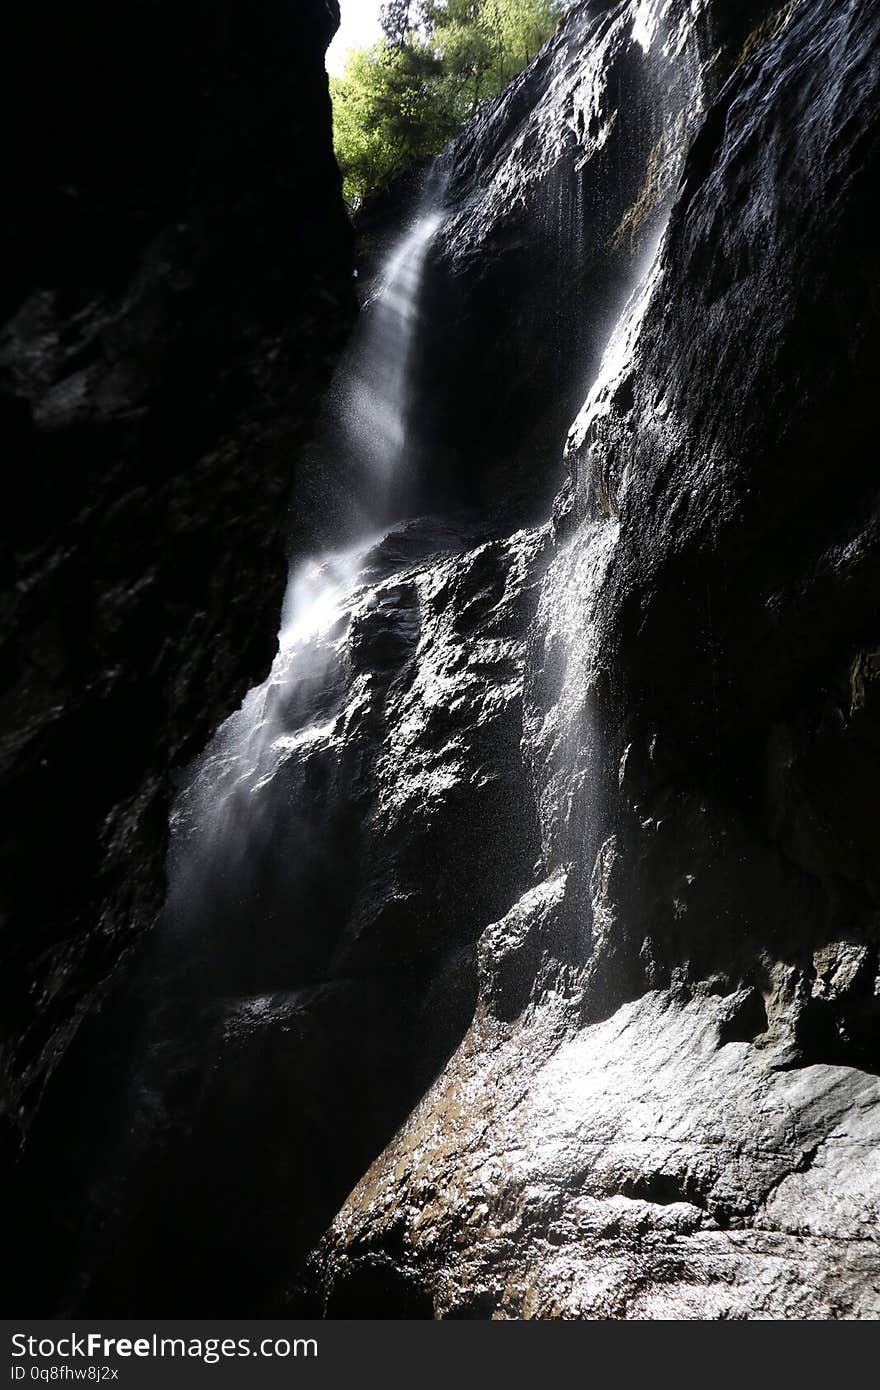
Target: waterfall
<point>565,729</point>
<point>379,399</point>
<point>369,434</point>
<point>224,830</point>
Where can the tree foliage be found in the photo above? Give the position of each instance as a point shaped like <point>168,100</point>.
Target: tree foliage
<point>439,60</point>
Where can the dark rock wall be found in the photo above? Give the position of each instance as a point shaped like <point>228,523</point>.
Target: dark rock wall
<point>736,461</point>
<point>175,286</point>
<point>556,194</point>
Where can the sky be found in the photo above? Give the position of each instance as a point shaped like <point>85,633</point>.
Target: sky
<point>360,26</point>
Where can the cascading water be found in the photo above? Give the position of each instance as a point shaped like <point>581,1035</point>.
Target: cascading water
<point>369,436</point>
<point>571,745</point>
<point>377,418</point>
<point>233,852</point>
<point>569,742</point>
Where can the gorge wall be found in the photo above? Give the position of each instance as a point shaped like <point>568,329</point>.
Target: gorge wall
<point>537,975</point>
<point>176,286</point>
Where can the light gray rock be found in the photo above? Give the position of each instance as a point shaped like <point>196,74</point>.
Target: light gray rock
<point>635,1168</point>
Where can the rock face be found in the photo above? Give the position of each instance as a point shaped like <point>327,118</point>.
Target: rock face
<point>556,194</point>
<point>543,866</point>
<point>667,1103</point>
<point>389,769</point>
<point>642,1167</point>
<point>176,285</point>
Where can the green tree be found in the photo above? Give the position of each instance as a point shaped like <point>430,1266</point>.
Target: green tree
<point>399,18</point>
<point>484,43</point>
<point>389,112</point>
<point>403,99</point>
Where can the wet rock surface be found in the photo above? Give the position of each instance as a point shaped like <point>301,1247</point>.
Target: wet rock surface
<point>557,194</point>
<point>636,1168</point>
<point>394,752</point>
<point>666,1105</point>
